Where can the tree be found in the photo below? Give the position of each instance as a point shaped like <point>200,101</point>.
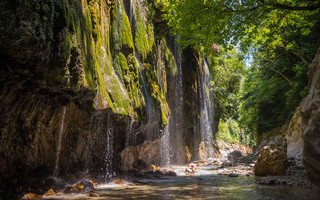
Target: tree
<point>281,37</point>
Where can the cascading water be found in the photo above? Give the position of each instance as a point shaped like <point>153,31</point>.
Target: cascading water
<point>165,146</point>
<point>131,13</point>
<point>151,114</point>
<point>109,172</point>
<point>56,167</point>
<point>128,140</point>
<point>176,126</point>
<point>206,110</point>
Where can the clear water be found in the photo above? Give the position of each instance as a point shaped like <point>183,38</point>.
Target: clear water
<point>203,186</point>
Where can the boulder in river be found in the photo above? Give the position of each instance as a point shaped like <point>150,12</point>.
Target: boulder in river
<point>234,156</point>
<point>272,158</point>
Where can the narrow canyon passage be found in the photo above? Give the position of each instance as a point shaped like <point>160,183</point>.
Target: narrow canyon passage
<point>159,99</point>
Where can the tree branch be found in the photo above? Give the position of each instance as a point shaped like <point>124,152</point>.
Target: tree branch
<point>279,74</point>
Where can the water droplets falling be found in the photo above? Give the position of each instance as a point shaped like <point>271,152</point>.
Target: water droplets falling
<point>58,152</point>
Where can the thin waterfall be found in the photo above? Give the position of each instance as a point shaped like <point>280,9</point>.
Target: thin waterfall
<point>128,138</point>
<point>165,146</point>
<point>109,172</point>
<point>176,125</point>
<point>95,127</point>
<point>56,167</point>
<point>206,110</point>
<point>128,133</point>
<point>151,113</point>
<point>131,13</point>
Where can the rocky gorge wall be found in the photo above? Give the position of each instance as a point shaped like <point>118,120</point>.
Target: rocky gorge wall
<point>310,122</point>
<point>90,86</point>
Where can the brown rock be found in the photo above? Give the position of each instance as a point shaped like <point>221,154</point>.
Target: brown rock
<point>272,159</point>
<point>49,192</point>
<point>295,139</point>
<point>207,150</point>
<point>310,123</point>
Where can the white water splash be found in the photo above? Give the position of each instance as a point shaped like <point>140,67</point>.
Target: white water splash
<point>56,167</point>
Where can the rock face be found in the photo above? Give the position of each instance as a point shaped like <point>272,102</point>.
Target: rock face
<point>295,140</point>
<point>84,83</point>
<point>272,158</point>
<point>310,123</point>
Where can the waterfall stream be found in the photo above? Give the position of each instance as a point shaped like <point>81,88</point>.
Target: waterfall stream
<point>109,172</point>
<point>176,125</point>
<point>56,167</point>
<point>165,146</point>
<point>206,110</point>
<point>131,13</point>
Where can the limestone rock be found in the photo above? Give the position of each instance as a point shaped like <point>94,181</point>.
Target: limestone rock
<point>272,159</point>
<point>310,123</point>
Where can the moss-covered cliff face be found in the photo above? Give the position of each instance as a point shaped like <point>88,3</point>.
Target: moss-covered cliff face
<point>80,78</point>
<point>77,55</point>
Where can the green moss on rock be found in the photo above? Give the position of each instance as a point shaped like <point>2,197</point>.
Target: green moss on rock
<point>144,39</point>
<point>121,30</point>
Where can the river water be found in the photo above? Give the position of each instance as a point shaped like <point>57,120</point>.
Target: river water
<point>202,185</point>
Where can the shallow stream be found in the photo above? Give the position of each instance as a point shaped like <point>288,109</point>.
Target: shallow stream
<point>202,185</point>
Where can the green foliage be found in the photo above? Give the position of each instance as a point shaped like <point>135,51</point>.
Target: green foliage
<point>227,70</point>
<point>228,131</point>
<point>201,23</point>
<point>273,88</point>
<point>281,37</point>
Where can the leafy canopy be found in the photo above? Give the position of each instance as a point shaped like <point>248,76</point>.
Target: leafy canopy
<point>203,22</point>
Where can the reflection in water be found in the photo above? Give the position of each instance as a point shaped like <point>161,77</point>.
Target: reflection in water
<point>200,187</point>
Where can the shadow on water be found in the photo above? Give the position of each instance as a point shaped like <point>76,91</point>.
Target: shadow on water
<point>202,187</point>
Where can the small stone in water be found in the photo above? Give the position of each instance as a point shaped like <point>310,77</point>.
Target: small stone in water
<point>49,192</point>
<point>119,181</point>
<point>171,173</point>
<point>233,175</point>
